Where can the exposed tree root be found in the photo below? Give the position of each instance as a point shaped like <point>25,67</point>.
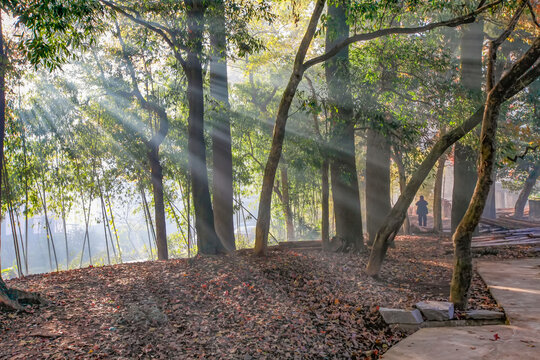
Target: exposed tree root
<point>16,300</point>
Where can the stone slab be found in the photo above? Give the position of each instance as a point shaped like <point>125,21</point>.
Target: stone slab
<point>484,315</point>
<point>401,316</point>
<point>448,323</point>
<point>436,310</point>
<point>468,343</point>
<point>515,286</point>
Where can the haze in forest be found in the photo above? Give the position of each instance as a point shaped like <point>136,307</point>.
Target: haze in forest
<point>154,130</point>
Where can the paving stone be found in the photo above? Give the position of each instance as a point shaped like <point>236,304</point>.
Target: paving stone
<point>400,316</point>
<point>484,314</point>
<point>436,310</point>
<point>514,285</point>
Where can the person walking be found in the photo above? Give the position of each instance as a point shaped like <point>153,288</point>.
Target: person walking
<point>422,211</point>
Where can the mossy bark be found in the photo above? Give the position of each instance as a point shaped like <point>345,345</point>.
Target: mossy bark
<point>462,274</point>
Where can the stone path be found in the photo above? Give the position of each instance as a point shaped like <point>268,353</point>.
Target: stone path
<point>515,284</point>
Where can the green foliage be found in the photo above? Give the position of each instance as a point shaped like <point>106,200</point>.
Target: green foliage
<point>51,30</point>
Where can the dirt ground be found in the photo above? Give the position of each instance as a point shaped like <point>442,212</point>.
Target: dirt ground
<point>292,304</point>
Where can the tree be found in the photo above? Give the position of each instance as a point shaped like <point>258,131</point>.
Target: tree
<point>395,218</point>
<point>465,154</point>
<point>523,197</point>
<point>72,30</point>
<point>221,129</point>
<point>189,53</point>
<point>462,275</point>
<point>263,219</point>
<point>153,145</point>
<point>437,195</point>
<point>345,192</point>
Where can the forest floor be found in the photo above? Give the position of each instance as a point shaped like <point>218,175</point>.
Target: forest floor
<point>292,304</point>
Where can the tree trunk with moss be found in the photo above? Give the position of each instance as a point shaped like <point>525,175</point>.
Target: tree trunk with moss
<point>463,269</point>
<point>265,200</point>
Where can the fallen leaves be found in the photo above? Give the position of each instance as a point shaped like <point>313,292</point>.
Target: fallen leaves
<point>301,304</point>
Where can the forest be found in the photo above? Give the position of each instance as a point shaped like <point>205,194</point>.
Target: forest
<point>259,178</point>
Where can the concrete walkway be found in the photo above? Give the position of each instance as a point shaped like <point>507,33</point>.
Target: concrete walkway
<point>515,284</point>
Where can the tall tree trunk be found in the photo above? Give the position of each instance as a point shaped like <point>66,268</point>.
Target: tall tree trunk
<point>148,220</point>
<point>50,238</point>
<point>490,209</point>
<point>345,192</point>
<point>8,297</point>
<point>287,211</point>
<point>437,195</point>
<point>64,227</point>
<point>221,130</point>
<point>114,227</point>
<point>23,135</point>
<point>208,241</point>
<point>3,69</point>
<point>156,172</point>
<point>325,206</point>
<point>465,156</point>
<point>377,182</point>
<point>464,181</point>
<point>265,201</point>
<point>462,275</point>
<point>398,159</point>
<point>519,208</point>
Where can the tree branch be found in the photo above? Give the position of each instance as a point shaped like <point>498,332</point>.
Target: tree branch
<point>160,135</point>
<point>495,44</point>
<point>469,18</point>
<point>164,32</point>
<point>533,14</point>
<point>515,158</point>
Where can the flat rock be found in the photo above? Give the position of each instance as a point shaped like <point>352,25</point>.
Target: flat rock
<point>484,314</point>
<point>400,316</point>
<point>436,310</point>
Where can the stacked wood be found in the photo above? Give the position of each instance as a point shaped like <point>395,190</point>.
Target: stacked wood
<point>525,236</point>
<point>509,212</point>
<point>509,223</point>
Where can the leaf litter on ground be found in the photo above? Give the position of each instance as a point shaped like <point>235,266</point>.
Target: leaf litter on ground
<point>289,305</point>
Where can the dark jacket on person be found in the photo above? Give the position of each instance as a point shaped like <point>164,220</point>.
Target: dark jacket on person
<point>421,207</point>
